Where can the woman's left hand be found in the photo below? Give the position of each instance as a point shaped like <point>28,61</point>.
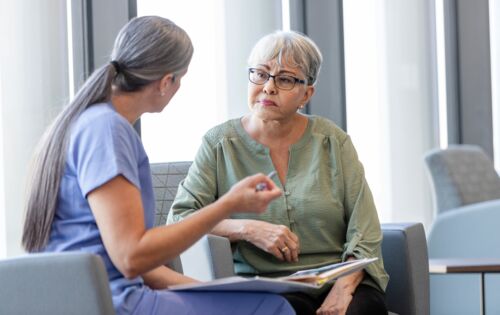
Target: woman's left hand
<point>340,296</point>
<point>336,302</point>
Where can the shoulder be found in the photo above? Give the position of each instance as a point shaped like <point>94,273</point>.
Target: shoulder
<point>102,119</point>
<point>101,114</point>
<point>326,128</point>
<point>222,132</point>
<point>101,127</point>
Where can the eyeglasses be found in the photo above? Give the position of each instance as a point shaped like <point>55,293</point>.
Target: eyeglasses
<point>283,82</point>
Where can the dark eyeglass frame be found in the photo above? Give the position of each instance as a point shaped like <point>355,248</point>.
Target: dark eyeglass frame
<point>269,76</point>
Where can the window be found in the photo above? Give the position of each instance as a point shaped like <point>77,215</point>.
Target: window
<point>175,134</point>
<point>215,87</point>
<point>364,110</point>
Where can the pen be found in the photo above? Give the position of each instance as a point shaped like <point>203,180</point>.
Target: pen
<point>263,186</point>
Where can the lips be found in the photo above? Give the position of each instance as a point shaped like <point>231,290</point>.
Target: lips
<point>267,103</point>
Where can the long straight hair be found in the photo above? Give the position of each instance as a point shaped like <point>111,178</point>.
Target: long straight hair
<point>146,49</point>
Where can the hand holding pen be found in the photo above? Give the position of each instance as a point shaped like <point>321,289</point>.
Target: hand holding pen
<point>263,186</point>
<point>251,194</point>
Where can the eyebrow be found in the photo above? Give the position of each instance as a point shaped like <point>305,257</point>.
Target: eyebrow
<point>282,71</point>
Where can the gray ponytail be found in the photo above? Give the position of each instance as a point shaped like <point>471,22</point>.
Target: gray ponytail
<point>145,50</point>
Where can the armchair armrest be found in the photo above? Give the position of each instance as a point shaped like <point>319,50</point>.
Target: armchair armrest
<point>208,259</point>
<point>465,232</point>
<point>457,233</point>
<point>55,283</point>
<point>404,251</point>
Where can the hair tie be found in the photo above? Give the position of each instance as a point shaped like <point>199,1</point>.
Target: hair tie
<point>116,65</point>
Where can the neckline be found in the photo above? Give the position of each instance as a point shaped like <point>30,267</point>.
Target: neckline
<point>259,147</point>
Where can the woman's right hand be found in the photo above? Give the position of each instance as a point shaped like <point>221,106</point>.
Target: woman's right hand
<point>244,197</point>
<point>275,239</point>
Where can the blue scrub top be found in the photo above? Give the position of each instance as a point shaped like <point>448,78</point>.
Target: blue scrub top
<point>102,146</point>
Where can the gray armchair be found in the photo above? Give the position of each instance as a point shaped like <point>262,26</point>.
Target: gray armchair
<point>404,250</point>
<point>461,175</point>
<point>55,283</point>
<point>467,197</point>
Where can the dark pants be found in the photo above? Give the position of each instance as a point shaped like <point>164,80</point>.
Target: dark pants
<point>365,301</point>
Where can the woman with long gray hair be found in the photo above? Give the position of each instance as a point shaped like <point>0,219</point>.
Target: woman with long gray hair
<point>91,187</point>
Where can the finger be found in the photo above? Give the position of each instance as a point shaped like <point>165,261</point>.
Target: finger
<point>258,178</point>
<point>293,250</point>
<point>294,237</point>
<point>294,254</point>
<point>276,252</point>
<point>268,195</point>
<point>292,240</point>
<point>264,183</point>
<point>290,249</point>
<point>287,253</point>
<point>270,183</point>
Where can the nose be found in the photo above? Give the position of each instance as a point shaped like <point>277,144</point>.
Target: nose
<point>270,86</point>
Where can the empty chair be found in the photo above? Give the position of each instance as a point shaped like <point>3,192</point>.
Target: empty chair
<point>467,197</point>
<point>461,175</point>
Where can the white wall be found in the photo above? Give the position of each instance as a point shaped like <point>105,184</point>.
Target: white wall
<point>33,85</point>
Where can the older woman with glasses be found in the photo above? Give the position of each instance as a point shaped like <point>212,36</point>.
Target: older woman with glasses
<point>326,213</point>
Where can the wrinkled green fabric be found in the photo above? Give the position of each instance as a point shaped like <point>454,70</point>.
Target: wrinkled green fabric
<point>326,199</point>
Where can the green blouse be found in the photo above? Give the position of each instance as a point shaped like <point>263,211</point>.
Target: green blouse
<point>326,201</point>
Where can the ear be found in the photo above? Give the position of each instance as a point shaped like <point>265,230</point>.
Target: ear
<point>308,94</point>
<point>167,79</point>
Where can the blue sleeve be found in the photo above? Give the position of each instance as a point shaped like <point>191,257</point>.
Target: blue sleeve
<point>103,149</point>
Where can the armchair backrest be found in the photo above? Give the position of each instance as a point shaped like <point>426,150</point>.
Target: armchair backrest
<point>55,283</point>
<point>461,175</point>
<point>166,178</point>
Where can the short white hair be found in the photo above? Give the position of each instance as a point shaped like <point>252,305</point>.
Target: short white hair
<point>293,48</point>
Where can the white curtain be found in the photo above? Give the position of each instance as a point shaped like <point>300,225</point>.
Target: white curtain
<point>33,87</point>
<point>391,82</point>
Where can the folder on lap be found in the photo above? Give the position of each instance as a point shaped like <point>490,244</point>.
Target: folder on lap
<point>304,280</point>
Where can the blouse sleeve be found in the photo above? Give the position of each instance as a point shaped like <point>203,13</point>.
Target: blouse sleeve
<point>199,188</point>
<point>364,236</point>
